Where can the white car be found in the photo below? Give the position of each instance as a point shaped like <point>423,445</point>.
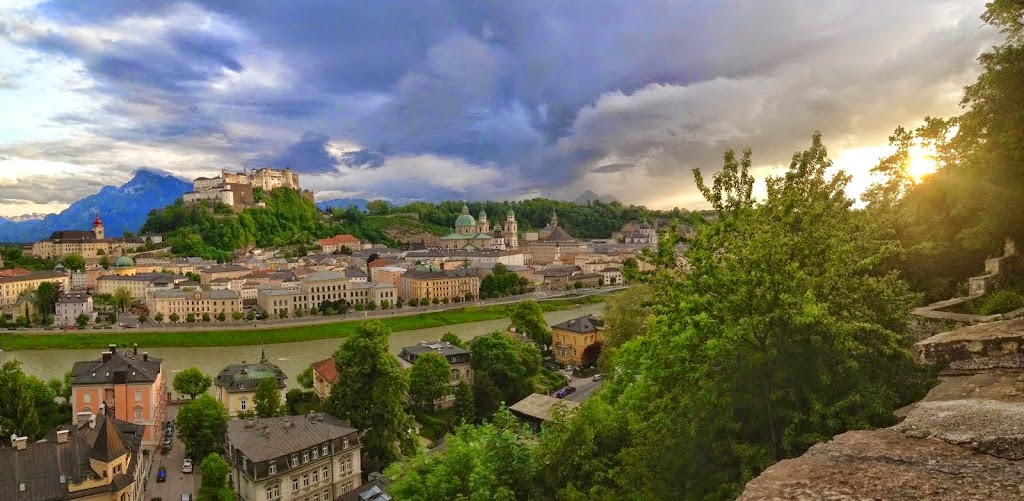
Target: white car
<point>186,467</point>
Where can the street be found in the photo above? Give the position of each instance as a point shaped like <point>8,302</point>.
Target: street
<point>177,483</point>
<point>585,387</point>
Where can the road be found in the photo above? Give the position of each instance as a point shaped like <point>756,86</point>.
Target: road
<point>585,387</point>
<point>349,317</point>
<point>177,483</point>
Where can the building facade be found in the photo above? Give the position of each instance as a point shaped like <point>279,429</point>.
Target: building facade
<point>477,233</point>
<point>139,286</point>
<point>321,286</point>
<point>335,243</point>
<point>235,385</point>
<point>88,244</point>
<point>13,286</point>
<point>70,306</point>
<point>458,362</point>
<point>98,459</point>
<point>196,302</point>
<point>325,376</point>
<point>570,339</point>
<point>427,285</point>
<point>125,385</point>
<point>315,457</point>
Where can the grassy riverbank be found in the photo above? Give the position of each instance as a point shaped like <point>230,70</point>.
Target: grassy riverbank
<point>289,334</point>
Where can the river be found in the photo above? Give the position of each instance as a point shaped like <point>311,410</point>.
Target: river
<point>291,357</point>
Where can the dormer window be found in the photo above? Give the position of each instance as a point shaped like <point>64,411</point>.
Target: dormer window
<point>273,467</point>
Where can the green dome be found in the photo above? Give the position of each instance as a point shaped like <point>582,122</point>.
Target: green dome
<point>124,262</point>
<point>465,220</point>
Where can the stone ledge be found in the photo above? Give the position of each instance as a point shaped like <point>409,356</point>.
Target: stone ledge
<point>996,339</point>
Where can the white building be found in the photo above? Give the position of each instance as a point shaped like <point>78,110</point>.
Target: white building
<point>70,306</point>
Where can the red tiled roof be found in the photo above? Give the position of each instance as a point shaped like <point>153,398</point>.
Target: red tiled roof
<point>327,370</point>
<point>15,272</point>
<point>376,263</point>
<point>345,239</point>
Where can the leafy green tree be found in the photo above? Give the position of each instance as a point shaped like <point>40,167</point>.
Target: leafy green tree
<point>190,318</point>
<point>202,425</point>
<point>578,450</point>
<point>47,295</point>
<point>82,320</point>
<point>174,318</point>
<point>206,318</point>
<point>305,378</point>
<point>436,300</point>
<point>18,413</point>
<point>429,379</point>
<point>192,382</point>
<point>503,370</point>
<point>373,397</point>
<point>222,317</point>
<point>215,486</point>
<point>454,340</point>
<point>465,409</point>
<point>626,316</point>
<point>250,316</point>
<point>298,402</point>
<point>159,317</point>
<point>267,398</point>
<point>122,298</point>
<point>489,461</point>
<point>528,319</point>
<point>73,262</point>
<point>236,316</point>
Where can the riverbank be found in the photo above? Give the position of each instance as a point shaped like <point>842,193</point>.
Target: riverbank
<point>208,338</point>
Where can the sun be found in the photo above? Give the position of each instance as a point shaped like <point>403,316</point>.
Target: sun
<point>921,164</point>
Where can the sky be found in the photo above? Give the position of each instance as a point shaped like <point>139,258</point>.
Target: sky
<point>470,99</point>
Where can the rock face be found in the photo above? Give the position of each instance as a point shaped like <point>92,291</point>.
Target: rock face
<point>964,440</point>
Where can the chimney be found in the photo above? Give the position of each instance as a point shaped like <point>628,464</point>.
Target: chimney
<point>21,443</point>
<point>81,417</point>
<point>145,356</point>
<point>62,436</point>
<point>112,347</point>
<point>107,355</point>
<point>92,421</point>
<point>135,349</point>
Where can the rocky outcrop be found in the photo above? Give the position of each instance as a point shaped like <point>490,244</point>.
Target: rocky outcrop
<point>964,440</point>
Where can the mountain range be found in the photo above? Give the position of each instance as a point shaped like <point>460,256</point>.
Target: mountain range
<point>589,196</point>
<point>121,208</point>
<point>342,203</point>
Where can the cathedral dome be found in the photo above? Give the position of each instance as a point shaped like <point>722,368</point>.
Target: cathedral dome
<point>465,219</point>
<point>124,262</point>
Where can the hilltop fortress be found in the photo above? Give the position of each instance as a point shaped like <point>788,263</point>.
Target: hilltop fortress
<point>235,189</point>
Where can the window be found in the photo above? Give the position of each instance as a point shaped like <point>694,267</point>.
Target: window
<point>346,464</point>
<point>316,476</point>
<point>138,395</point>
<point>295,483</point>
<point>325,449</point>
<point>273,467</point>
<point>344,443</point>
<point>273,491</point>
<point>305,480</point>
<point>325,472</point>
<point>138,413</point>
<point>327,495</point>
<point>316,453</point>
<point>305,456</point>
<point>295,461</point>
<point>242,404</point>
<point>87,397</point>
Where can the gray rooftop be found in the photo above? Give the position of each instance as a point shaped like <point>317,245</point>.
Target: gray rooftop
<point>270,438</point>
<point>581,325</point>
<point>117,367</point>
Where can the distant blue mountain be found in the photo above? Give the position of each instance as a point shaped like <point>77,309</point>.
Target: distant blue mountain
<point>121,208</point>
<point>342,203</point>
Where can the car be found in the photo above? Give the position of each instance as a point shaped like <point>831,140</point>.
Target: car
<point>569,390</point>
<point>186,466</point>
<point>167,444</point>
<point>186,497</point>
<point>161,474</point>
<point>560,393</point>
<point>169,433</point>
<point>597,377</point>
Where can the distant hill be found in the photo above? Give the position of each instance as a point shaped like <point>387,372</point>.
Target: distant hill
<point>342,203</point>
<point>589,196</point>
<point>122,208</point>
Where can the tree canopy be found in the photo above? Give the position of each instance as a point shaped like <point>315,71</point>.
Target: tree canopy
<point>192,382</point>
<point>202,425</point>
<point>372,398</point>
<point>503,371</point>
<point>267,398</point>
<point>429,379</point>
<point>215,486</point>
<point>528,319</point>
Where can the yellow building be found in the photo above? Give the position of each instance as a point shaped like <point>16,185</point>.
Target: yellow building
<point>570,339</point>
<point>235,385</point>
<point>88,244</point>
<point>14,286</point>
<point>197,303</point>
<point>99,459</point>
<point>139,286</point>
<point>323,286</point>
<point>427,285</point>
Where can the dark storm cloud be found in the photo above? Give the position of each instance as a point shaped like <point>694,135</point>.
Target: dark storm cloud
<point>548,92</point>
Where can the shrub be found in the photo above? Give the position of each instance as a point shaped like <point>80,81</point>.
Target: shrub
<point>1001,301</point>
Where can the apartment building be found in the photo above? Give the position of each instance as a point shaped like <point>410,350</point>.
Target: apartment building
<point>196,302</point>
<point>13,286</point>
<point>293,458</point>
<point>70,306</point>
<point>427,285</point>
<point>322,286</point>
<point>570,339</point>
<point>139,286</point>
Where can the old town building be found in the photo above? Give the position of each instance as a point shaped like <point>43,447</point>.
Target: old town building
<point>476,234</point>
<point>70,306</point>
<point>235,385</point>
<point>195,302</point>
<point>321,286</point>
<point>571,339</point>
<point>11,287</point>
<point>425,285</point>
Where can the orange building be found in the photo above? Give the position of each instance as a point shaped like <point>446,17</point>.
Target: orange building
<point>570,339</point>
<point>129,386</point>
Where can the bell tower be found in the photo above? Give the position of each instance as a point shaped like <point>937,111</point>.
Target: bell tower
<point>511,230</point>
<point>97,227</point>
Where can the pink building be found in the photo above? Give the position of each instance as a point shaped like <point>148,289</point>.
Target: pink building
<point>130,386</point>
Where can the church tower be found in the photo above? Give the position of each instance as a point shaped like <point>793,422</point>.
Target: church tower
<point>511,230</point>
<point>97,227</point>
<point>483,225</point>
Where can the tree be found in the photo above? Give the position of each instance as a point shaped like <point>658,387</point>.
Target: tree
<point>18,412</point>
<point>251,315</point>
<point>47,295</point>
<point>202,425</point>
<point>359,307</point>
<point>190,318</point>
<point>298,402</point>
<point>267,398</point>
<point>215,486</point>
<point>528,319</point>
<point>452,339</point>
<point>122,298</point>
<point>305,378</point>
<point>192,382</point>
<point>174,318</point>
<point>82,320</point>
<point>489,461</point>
<point>373,397</point>
<point>142,319</point>
<point>429,380</point>
<point>237,316</point>
<point>465,409</point>
<point>385,304</point>
<point>436,300</point>
<point>206,317</point>
<point>73,262</point>
<point>414,302</point>
<point>626,316</point>
<point>159,317</point>
<point>591,354</point>
<point>222,317</point>
<point>503,364</point>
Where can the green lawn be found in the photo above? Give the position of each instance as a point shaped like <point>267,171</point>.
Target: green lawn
<point>186,338</point>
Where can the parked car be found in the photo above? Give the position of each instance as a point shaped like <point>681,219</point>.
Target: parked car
<point>186,466</point>
<point>169,432</point>
<point>569,390</point>
<point>161,474</point>
<point>597,377</point>
<point>560,393</point>
<point>186,497</point>
<point>167,444</point>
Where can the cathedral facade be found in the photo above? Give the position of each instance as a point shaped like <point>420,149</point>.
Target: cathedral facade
<point>476,233</point>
